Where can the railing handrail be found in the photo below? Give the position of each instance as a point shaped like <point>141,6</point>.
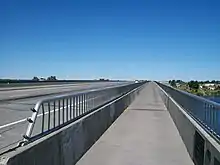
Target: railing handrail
<point>40,103</point>
<point>195,96</point>
<point>55,98</point>
<point>205,112</point>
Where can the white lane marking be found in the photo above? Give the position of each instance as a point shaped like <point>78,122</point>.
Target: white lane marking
<point>17,96</point>
<point>37,88</point>
<point>24,120</point>
<point>13,123</point>
<point>65,89</point>
<point>45,86</point>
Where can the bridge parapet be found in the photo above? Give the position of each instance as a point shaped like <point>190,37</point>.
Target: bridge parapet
<point>198,122</point>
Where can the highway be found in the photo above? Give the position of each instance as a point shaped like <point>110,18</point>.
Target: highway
<point>27,92</point>
<point>16,102</point>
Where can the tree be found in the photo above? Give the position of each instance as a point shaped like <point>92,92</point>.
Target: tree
<point>173,83</point>
<point>52,78</point>
<point>179,81</point>
<point>213,81</point>
<point>35,79</point>
<point>193,85</point>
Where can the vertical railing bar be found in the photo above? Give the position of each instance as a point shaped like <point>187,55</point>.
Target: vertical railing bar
<point>48,115</point>
<point>80,104</point>
<point>83,103</point>
<point>59,112</point>
<point>67,109</point>
<point>77,106</point>
<point>54,114</point>
<point>210,115</point>
<point>74,107</point>
<point>63,111</point>
<point>86,102</point>
<point>43,115</point>
<point>70,108</point>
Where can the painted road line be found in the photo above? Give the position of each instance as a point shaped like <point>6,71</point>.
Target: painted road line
<point>43,86</point>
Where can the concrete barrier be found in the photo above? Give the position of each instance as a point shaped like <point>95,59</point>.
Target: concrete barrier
<point>67,145</point>
<point>202,148</point>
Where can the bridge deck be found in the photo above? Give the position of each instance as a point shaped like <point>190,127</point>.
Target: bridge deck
<point>143,134</point>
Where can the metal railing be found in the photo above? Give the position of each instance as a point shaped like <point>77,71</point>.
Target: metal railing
<point>205,112</point>
<point>53,113</point>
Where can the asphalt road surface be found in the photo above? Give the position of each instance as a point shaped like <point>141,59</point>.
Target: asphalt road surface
<point>16,102</point>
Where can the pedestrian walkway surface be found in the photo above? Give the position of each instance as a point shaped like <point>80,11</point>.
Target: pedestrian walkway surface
<point>143,135</point>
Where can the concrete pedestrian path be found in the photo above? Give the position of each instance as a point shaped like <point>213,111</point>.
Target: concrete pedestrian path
<point>143,135</point>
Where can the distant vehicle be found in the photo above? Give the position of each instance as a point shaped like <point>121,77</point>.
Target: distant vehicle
<point>136,81</point>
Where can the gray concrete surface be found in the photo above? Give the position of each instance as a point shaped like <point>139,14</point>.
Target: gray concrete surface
<point>13,113</point>
<point>67,145</point>
<point>143,134</point>
<point>188,127</point>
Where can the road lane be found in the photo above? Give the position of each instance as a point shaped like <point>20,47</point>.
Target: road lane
<point>18,93</point>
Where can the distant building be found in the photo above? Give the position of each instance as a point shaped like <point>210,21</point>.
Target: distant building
<point>212,88</point>
<point>209,86</point>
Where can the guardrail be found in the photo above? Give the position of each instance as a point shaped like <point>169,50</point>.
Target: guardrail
<point>56,112</point>
<point>205,112</point>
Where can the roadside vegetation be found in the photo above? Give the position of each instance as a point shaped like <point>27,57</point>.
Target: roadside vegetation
<point>200,88</point>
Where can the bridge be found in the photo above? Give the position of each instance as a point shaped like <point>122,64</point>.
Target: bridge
<point>125,123</point>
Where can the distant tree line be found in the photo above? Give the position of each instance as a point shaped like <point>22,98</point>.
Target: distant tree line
<point>210,82</point>
<point>191,84</point>
<point>102,79</point>
<point>36,79</point>
<point>174,82</point>
<point>51,78</point>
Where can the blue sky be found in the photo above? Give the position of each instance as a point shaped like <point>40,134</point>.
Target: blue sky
<point>117,39</point>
